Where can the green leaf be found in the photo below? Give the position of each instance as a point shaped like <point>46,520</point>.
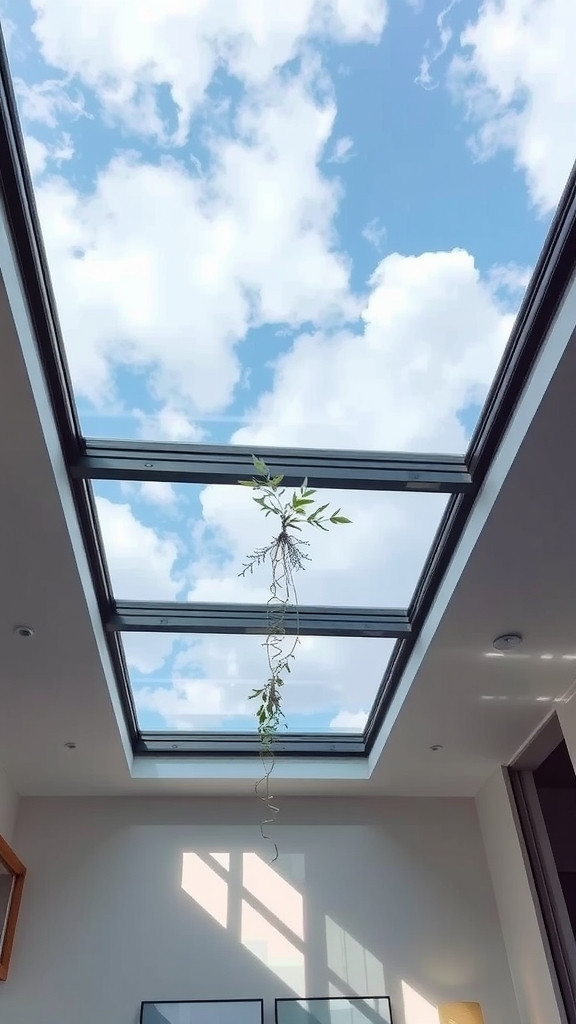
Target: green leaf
<point>339,519</point>
<point>260,466</point>
<point>276,480</point>
<point>317,513</point>
<point>247,483</point>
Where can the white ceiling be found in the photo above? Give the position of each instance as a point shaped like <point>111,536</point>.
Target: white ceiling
<point>515,571</point>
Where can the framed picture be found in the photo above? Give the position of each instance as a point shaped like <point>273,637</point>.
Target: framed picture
<point>12,874</point>
<point>197,1011</point>
<point>334,1010</point>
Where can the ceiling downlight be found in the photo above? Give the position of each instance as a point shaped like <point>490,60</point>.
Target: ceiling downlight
<point>507,642</point>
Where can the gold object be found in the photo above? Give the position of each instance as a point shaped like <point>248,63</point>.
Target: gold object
<point>460,1013</point>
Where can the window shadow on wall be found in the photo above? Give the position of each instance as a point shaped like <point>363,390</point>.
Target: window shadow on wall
<point>356,914</point>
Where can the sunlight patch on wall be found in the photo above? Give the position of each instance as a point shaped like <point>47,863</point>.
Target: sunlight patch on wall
<point>206,888</point>
<point>229,900</point>
<point>354,964</point>
<point>417,1010</point>
<point>274,892</point>
<point>223,859</point>
<point>272,948</point>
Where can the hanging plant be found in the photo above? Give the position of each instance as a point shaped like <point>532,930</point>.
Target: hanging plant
<point>284,555</point>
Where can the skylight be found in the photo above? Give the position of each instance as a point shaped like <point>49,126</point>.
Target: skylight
<point>255,250</point>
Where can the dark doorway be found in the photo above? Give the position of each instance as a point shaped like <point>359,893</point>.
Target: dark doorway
<point>555,782</point>
<point>543,783</point>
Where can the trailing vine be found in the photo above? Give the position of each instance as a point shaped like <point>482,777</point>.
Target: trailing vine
<point>285,554</point>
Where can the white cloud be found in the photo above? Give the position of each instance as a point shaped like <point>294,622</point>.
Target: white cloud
<point>140,561</point>
<point>153,492</point>
<point>342,150</point>
<point>167,424</point>
<point>436,52</point>
<point>375,234</point>
<point>124,51</point>
<point>517,78</point>
<point>141,565</point>
<point>433,335</point>
<point>37,154</point>
<point>354,721</point>
<point>194,704</point>
<point>158,492</point>
<point>510,279</point>
<point>173,293</point>
<point>63,148</point>
<point>46,102</point>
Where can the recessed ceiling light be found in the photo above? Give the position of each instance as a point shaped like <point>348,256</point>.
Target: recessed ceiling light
<point>436,746</point>
<point>507,642</point>
<point>24,631</point>
<point>70,745</point>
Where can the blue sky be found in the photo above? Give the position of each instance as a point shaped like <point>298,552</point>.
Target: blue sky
<point>306,225</point>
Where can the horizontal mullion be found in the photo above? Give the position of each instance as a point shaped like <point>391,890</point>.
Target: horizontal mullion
<point>170,617</point>
<point>249,744</point>
<point>227,464</point>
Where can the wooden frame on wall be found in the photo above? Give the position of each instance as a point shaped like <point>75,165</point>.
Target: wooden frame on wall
<point>12,875</point>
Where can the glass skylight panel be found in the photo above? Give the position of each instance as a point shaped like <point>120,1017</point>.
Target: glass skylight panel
<point>201,682</point>
<point>181,542</point>
<point>239,258</point>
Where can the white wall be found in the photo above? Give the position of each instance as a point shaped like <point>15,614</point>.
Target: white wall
<point>521,927</point>
<point>396,900</point>
<point>8,807</point>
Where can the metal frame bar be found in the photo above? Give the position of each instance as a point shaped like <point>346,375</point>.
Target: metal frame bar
<point>227,464</point>
<point>307,620</point>
<point>92,459</point>
<point>289,744</point>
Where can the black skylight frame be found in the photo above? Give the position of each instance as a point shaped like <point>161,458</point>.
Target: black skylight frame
<point>90,459</point>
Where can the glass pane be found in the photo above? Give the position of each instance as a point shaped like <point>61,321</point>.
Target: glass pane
<point>201,682</point>
<point>249,241</point>
<point>228,1011</point>
<point>189,543</point>
<point>375,1010</point>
